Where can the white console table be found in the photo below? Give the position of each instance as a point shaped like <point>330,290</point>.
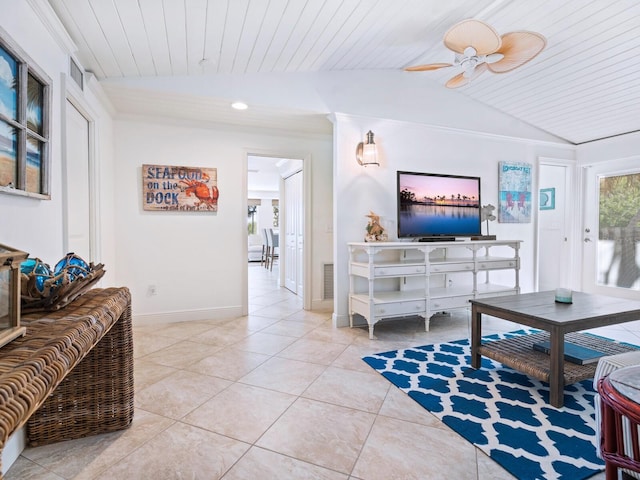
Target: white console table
<point>401,279</point>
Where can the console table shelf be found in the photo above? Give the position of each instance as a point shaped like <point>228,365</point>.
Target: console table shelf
<point>400,279</point>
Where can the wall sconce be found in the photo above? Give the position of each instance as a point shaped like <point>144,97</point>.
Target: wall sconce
<point>366,153</point>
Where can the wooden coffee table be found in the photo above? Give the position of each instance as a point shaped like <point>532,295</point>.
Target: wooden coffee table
<point>539,310</point>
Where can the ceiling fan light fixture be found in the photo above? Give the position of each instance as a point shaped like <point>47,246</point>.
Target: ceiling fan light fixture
<point>470,52</point>
<point>477,44</point>
<point>465,78</point>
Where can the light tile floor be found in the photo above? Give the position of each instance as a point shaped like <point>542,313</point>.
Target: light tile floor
<point>279,394</point>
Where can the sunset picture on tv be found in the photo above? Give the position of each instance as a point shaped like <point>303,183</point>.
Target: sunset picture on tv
<point>434,204</point>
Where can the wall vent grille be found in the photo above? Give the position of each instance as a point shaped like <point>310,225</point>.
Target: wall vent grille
<point>327,289</point>
<point>76,73</point>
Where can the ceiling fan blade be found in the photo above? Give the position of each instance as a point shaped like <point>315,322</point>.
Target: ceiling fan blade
<point>460,80</point>
<point>457,81</point>
<point>493,57</point>
<point>518,48</point>
<point>472,33</point>
<point>427,67</point>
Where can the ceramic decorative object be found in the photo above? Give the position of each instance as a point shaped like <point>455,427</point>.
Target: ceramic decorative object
<point>486,215</point>
<point>47,289</point>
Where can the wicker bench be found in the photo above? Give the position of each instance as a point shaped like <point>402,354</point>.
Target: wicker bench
<point>71,375</point>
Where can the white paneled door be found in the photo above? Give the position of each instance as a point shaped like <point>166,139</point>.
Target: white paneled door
<point>611,230</point>
<point>292,261</point>
<point>78,184</point>
<point>554,226</point>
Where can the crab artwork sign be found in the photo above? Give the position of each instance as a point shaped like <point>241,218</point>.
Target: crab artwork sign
<point>186,189</point>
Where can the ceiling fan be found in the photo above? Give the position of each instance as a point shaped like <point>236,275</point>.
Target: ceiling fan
<point>478,48</point>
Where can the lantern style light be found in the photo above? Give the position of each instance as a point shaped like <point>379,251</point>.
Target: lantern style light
<point>10,260</point>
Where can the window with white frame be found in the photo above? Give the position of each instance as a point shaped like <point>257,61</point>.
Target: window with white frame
<point>25,95</point>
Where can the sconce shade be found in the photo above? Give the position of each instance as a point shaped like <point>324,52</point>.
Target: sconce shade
<point>366,153</point>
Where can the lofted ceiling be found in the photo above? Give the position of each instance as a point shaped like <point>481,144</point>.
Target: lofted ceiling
<point>584,86</point>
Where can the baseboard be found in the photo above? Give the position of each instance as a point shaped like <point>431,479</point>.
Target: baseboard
<point>186,316</point>
<point>16,443</point>
<point>340,320</point>
<point>322,305</point>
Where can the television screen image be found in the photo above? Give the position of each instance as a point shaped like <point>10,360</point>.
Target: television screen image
<point>435,205</point>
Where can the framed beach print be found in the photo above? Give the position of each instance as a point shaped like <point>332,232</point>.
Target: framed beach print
<point>25,123</point>
<point>514,196</point>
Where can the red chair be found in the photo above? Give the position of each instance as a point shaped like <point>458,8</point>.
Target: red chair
<point>619,441</point>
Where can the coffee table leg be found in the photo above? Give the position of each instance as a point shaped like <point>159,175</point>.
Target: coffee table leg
<point>476,334</point>
<point>556,371</point>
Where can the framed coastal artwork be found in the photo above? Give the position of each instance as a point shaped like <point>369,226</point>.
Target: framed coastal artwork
<point>170,188</point>
<point>24,137</point>
<point>514,196</point>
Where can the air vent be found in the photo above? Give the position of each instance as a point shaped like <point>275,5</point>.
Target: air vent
<point>327,276</point>
<point>76,73</point>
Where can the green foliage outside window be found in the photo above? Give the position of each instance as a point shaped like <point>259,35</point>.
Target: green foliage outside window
<point>251,226</point>
<point>620,201</point>
<point>620,222</point>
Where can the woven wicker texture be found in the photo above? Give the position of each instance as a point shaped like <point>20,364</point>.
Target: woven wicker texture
<point>71,375</point>
<point>518,353</point>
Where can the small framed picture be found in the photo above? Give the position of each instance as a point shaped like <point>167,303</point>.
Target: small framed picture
<point>547,198</point>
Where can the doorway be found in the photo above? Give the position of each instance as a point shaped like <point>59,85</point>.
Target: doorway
<point>267,179</point>
<point>611,228</point>
<point>80,232</point>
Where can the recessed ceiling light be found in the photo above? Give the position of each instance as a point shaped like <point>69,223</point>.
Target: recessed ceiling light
<point>239,105</point>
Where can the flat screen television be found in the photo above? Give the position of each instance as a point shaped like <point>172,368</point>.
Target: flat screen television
<point>432,206</point>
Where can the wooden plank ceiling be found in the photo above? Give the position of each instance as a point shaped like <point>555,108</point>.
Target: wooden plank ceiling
<point>584,86</point>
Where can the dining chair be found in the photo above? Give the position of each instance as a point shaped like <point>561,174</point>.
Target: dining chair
<point>274,241</point>
<point>266,250</point>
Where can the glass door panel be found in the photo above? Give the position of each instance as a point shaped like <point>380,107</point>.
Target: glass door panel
<point>612,231</point>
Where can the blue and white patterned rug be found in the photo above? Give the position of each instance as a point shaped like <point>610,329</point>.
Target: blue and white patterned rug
<point>502,412</point>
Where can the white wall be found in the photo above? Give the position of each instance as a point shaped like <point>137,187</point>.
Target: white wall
<point>36,226</point>
<point>196,260</point>
<point>615,148</point>
<point>421,148</point>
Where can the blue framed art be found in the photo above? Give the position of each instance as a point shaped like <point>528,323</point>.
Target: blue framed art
<point>547,199</point>
<point>514,195</point>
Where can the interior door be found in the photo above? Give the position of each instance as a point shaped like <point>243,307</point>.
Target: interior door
<point>293,238</point>
<point>611,230</point>
<point>554,226</point>
<point>78,184</point>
